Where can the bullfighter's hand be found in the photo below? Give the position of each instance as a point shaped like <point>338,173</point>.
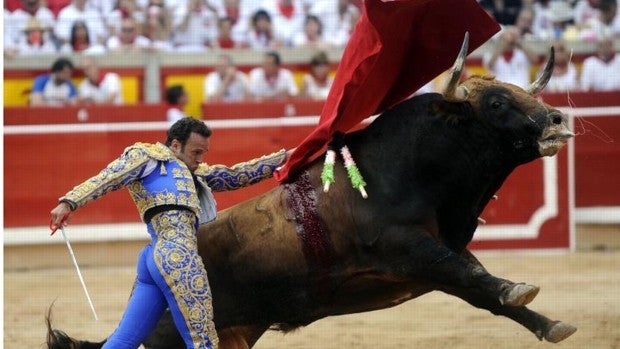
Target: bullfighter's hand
<point>61,215</point>
<point>288,154</point>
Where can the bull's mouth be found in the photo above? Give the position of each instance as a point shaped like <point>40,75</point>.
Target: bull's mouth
<point>551,144</point>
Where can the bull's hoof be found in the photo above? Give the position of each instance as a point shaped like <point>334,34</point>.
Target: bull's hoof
<point>559,331</point>
<point>519,295</point>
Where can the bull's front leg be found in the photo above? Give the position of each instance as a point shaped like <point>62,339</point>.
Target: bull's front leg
<point>421,256</point>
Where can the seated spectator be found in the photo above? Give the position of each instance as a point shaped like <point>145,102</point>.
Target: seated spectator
<point>271,81</point>
<point>584,10</point>
<point>34,41</point>
<point>128,40</point>
<point>564,76</point>
<point>261,34</point>
<point>600,72</point>
<point>601,25</point>
<point>561,19</point>
<point>78,11</point>
<point>177,99</point>
<point>225,38</point>
<point>123,9</point>
<point>339,18</point>
<point>55,88</point>
<point>80,41</point>
<point>99,87</point>
<point>287,17</point>
<point>158,26</point>
<point>312,35</point>
<point>31,9</point>
<point>317,83</point>
<point>510,61</point>
<point>56,5</point>
<point>10,41</point>
<point>524,23</point>
<point>195,26</point>
<point>226,83</point>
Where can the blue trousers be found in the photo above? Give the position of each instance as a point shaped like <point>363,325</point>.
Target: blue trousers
<point>170,274</point>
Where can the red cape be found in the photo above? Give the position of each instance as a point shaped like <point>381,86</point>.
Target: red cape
<point>395,48</point>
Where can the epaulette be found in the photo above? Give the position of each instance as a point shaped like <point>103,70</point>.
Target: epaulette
<point>157,151</point>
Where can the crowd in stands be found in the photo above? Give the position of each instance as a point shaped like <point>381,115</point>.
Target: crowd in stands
<point>98,26</point>
<point>95,27</point>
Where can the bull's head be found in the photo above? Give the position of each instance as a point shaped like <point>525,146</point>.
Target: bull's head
<point>507,106</point>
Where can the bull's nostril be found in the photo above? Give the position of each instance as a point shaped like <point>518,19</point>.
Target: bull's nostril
<point>557,119</point>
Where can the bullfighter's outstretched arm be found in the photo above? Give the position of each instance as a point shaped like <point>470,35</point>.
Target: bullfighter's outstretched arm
<point>224,178</point>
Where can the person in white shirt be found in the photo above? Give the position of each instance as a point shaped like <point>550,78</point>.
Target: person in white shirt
<point>31,9</point>
<point>317,83</point>
<point>34,41</point>
<point>271,81</point>
<point>78,11</point>
<point>564,76</point>
<point>339,18</point>
<point>226,83</point>
<point>99,87</point>
<point>510,61</point>
<point>288,18</point>
<point>177,99</point>
<point>128,39</point>
<point>601,25</point>
<point>195,25</point>
<point>602,71</point>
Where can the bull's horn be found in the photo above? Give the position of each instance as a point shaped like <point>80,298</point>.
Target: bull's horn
<point>452,92</point>
<point>543,79</point>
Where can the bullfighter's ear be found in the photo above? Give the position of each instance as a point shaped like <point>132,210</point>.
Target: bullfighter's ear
<point>451,112</point>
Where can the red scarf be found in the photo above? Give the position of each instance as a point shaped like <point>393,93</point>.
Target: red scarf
<point>286,10</point>
<point>99,79</point>
<point>226,43</point>
<point>508,55</point>
<point>377,70</point>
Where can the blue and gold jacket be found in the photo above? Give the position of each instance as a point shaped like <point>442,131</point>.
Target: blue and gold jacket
<point>155,177</point>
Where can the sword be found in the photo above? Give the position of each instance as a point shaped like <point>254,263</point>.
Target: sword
<point>77,267</point>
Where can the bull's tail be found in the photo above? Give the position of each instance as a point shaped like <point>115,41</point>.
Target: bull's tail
<point>57,339</point>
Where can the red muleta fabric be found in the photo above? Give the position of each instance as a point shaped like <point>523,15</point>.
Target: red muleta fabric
<point>395,48</point>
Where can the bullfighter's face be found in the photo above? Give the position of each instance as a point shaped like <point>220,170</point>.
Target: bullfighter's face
<point>193,152</point>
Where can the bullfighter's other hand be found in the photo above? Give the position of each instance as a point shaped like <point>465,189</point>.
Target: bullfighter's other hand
<point>60,216</point>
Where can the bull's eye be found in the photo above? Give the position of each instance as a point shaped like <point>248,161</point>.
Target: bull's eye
<point>496,104</point>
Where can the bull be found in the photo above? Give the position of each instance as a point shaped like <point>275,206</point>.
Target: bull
<point>297,254</point>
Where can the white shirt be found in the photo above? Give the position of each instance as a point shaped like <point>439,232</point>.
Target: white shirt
<point>20,18</point>
<point>114,43</point>
<point>314,90</point>
<point>110,85</point>
<point>597,75</point>
<point>563,83</point>
<point>516,71</point>
<point>26,49</point>
<point>284,27</point>
<point>201,27</point>
<point>174,114</point>
<point>68,15</point>
<point>336,29</point>
<point>261,87</point>
<point>236,90</point>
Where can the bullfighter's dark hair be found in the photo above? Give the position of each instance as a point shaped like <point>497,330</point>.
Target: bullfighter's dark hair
<point>62,63</point>
<point>182,129</point>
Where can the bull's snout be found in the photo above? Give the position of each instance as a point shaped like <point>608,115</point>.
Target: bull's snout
<point>555,135</point>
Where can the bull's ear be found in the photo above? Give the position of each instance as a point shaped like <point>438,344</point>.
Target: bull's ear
<point>452,112</point>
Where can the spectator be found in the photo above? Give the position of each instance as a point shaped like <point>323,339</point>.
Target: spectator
<point>601,25</point>
<point>584,10</point>
<point>602,71</point>
<point>561,19</point>
<point>339,18</point>
<point>80,42</point>
<point>241,12</point>
<point>55,88</point>
<point>524,23</point>
<point>34,41</point>
<point>99,87</point>
<point>123,9</point>
<point>541,25</point>
<point>31,9</point>
<point>317,83</point>
<point>158,26</point>
<point>271,81</point>
<point>128,40</point>
<point>195,26</point>
<point>287,17</point>
<point>505,12</point>
<point>10,41</point>
<point>226,83</point>
<point>564,76</point>
<point>78,11</point>
<point>312,35</point>
<point>510,61</point>
<point>225,38</point>
<point>56,5</point>
<point>177,99</point>
<point>261,35</point>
